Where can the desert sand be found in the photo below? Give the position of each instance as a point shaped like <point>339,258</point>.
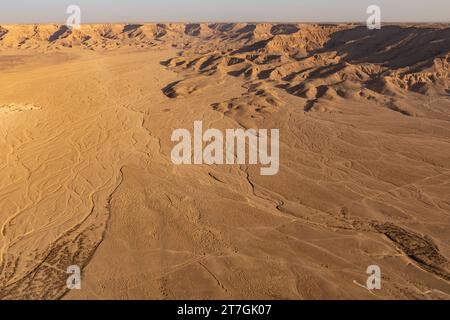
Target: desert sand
<point>86,176</point>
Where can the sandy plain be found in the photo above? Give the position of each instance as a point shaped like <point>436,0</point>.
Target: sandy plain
<point>86,177</point>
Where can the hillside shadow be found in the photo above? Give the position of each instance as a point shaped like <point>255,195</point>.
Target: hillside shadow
<point>55,36</point>
<point>391,46</point>
<point>253,47</point>
<point>169,90</point>
<point>284,29</point>
<point>131,27</point>
<point>192,29</point>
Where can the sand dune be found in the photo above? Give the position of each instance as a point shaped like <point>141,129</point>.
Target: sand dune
<point>86,118</point>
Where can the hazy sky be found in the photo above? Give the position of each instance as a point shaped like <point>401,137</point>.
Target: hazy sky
<point>28,11</point>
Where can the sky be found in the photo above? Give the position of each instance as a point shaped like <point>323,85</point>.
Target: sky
<point>54,11</point>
